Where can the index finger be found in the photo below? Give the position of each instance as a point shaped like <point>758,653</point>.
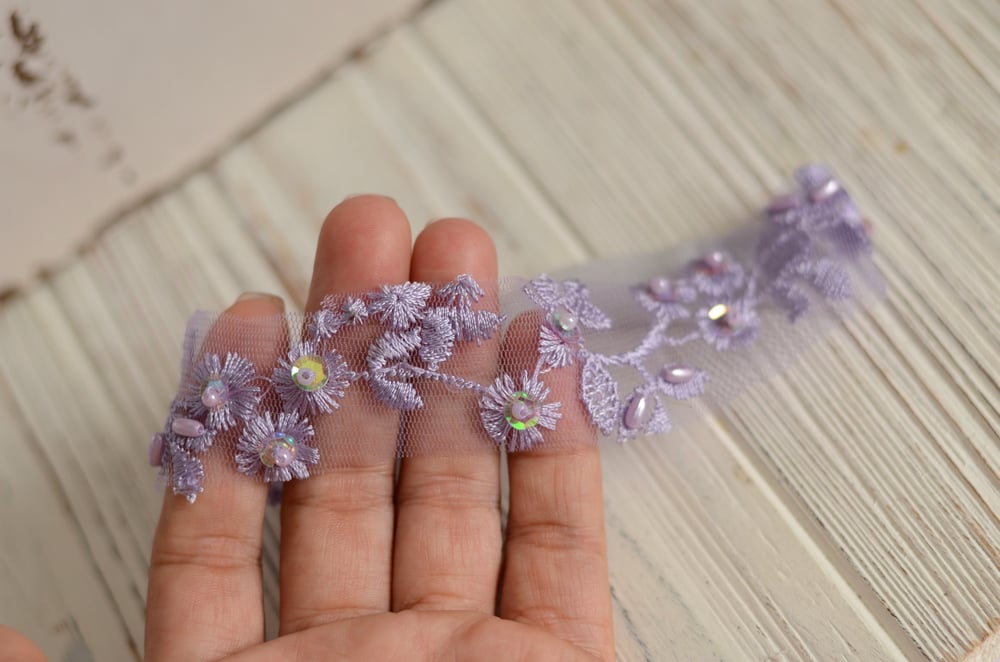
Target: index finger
<point>205,597</point>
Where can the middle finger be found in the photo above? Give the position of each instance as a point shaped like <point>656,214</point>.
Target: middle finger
<point>337,527</point>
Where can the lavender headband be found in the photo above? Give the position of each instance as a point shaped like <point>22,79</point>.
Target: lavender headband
<point>630,348</point>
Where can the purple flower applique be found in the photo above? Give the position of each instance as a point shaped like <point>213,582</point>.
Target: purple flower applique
<point>276,446</point>
<point>729,324</point>
<point>681,381</point>
<point>665,298</point>
<point>512,414</point>
<point>568,307</point>
<point>822,205</point>
<point>309,381</point>
<point>323,324</point>
<point>463,291</point>
<point>221,392</point>
<point>399,306</point>
<point>717,274</point>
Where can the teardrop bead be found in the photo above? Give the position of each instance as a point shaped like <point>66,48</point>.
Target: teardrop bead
<point>638,412</point>
<point>156,450</point>
<point>187,427</point>
<point>677,373</point>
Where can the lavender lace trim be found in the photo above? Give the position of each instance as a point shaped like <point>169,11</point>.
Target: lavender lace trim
<point>801,255</point>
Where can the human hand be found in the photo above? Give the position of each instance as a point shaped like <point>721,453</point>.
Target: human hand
<point>375,569</point>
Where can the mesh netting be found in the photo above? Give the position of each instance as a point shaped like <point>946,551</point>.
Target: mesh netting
<point>614,350</point>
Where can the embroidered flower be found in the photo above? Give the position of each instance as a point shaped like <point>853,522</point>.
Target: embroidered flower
<point>335,314</point>
<point>276,446</point>
<point>571,295</point>
<point>729,324</point>
<point>221,392</point>
<point>665,298</point>
<point>717,274</point>
<point>823,206</point>
<point>323,324</point>
<point>463,291</point>
<point>568,307</point>
<point>399,306</point>
<point>512,414</point>
<point>309,381</point>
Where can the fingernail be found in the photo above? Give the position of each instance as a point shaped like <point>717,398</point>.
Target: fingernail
<point>371,195</point>
<point>258,296</point>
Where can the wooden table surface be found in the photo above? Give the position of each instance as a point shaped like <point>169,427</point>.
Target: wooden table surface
<point>848,510</point>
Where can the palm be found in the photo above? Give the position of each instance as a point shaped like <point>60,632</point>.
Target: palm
<point>378,568</point>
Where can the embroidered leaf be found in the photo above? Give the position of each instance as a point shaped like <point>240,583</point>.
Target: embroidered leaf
<point>831,279</point>
<point>599,392</point>
<point>437,341</point>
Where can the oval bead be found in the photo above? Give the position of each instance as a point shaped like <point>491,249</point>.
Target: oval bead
<point>677,373</point>
<point>156,450</point>
<point>187,427</point>
<point>824,191</point>
<point>783,203</point>
<point>638,412</point>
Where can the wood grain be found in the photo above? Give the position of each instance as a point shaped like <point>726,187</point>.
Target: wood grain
<point>848,510</point>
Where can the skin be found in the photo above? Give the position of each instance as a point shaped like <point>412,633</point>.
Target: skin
<point>361,576</point>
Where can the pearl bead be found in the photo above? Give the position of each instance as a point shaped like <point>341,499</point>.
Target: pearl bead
<point>713,263</point>
<point>279,451</point>
<point>187,427</point>
<point>282,456</point>
<point>521,410</point>
<point>824,191</point>
<point>638,412</point>
<point>677,373</point>
<point>213,397</point>
<point>564,320</point>
<point>662,289</point>
<point>156,450</point>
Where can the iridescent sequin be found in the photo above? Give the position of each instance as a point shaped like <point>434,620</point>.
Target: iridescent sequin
<point>521,412</point>
<point>309,373</point>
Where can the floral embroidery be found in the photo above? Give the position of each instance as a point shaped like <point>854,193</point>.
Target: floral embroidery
<point>719,300</point>
<point>221,390</point>
<point>512,413</point>
<point>400,306</point>
<point>310,382</point>
<point>277,446</point>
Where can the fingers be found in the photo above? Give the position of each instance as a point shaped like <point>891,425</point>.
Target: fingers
<point>205,597</point>
<point>337,527</point>
<point>15,647</point>
<point>556,573</point>
<point>448,537</point>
